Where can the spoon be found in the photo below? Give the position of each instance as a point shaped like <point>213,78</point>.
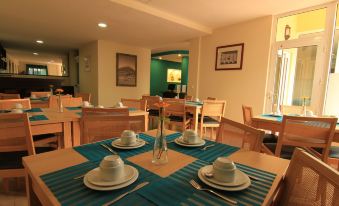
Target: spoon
<point>204,148</point>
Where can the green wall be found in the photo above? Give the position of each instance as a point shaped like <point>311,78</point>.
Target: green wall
<point>159,74</point>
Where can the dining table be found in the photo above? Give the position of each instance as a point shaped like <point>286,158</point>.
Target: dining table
<point>67,123</point>
<point>52,178</point>
<point>274,123</point>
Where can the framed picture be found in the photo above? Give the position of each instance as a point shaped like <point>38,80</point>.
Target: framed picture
<point>229,57</point>
<point>173,75</point>
<point>126,70</point>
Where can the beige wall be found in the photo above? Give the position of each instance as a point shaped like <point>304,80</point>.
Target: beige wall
<point>89,79</point>
<point>109,93</point>
<point>246,86</point>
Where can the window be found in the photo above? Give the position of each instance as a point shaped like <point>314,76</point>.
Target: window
<point>40,70</point>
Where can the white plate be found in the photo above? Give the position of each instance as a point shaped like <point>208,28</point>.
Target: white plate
<point>180,142</point>
<point>239,179</point>
<point>220,187</point>
<point>115,187</point>
<point>94,178</point>
<point>117,144</point>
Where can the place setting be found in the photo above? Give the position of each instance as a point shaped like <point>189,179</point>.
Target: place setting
<point>190,138</point>
<point>128,140</point>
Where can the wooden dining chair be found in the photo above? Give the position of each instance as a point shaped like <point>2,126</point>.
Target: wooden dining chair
<point>308,181</point>
<point>176,112</point>
<point>211,113</point>
<point>307,132</point>
<point>9,96</point>
<point>211,98</point>
<point>140,104</point>
<point>72,102</point>
<point>189,98</point>
<point>251,138</point>
<point>84,96</point>
<point>53,101</point>
<point>97,124</point>
<point>8,104</point>
<point>152,109</point>
<point>41,94</point>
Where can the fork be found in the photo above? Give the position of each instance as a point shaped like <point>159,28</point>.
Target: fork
<point>207,146</point>
<point>198,187</point>
<point>109,149</point>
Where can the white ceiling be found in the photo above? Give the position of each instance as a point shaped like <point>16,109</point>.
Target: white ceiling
<point>67,24</point>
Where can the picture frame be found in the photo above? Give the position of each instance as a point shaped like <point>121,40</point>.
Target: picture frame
<point>173,75</point>
<point>126,70</point>
<point>229,57</point>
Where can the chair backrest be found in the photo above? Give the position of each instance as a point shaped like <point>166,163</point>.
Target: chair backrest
<point>151,100</point>
<point>308,180</point>
<point>307,132</point>
<point>9,96</point>
<point>211,98</point>
<point>53,100</point>
<point>105,112</point>
<point>100,126</point>
<point>15,133</point>
<point>213,108</point>
<point>176,107</point>
<point>72,102</point>
<point>135,103</point>
<point>247,115</point>
<point>84,96</point>
<point>290,109</point>
<point>41,94</point>
<point>8,104</point>
<point>251,137</point>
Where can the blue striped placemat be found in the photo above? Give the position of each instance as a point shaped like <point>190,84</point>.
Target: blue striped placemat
<point>34,110</point>
<point>176,189</point>
<point>38,118</point>
<point>71,191</point>
<point>279,119</point>
<point>96,152</point>
<point>73,108</point>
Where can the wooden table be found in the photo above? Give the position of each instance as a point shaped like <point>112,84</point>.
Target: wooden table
<point>45,163</point>
<point>67,123</point>
<point>271,123</point>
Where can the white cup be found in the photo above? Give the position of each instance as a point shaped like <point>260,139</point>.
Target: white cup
<point>196,100</point>
<point>119,105</point>
<point>309,113</point>
<point>111,168</point>
<point>191,137</point>
<point>224,169</point>
<point>100,106</point>
<point>18,106</point>
<point>86,104</point>
<point>33,96</point>
<point>128,137</point>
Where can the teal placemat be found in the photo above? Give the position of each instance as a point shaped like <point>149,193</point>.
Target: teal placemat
<point>34,110</point>
<point>73,108</point>
<point>132,109</point>
<point>73,192</point>
<point>96,152</point>
<point>176,190</point>
<point>194,103</point>
<point>40,98</point>
<point>208,155</point>
<point>38,118</point>
<point>279,119</point>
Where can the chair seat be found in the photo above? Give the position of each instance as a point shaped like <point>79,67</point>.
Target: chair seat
<point>334,151</point>
<point>270,138</point>
<point>177,118</point>
<point>13,160</point>
<point>153,112</point>
<point>286,151</point>
<point>209,120</point>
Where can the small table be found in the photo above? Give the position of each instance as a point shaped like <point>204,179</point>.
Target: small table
<point>182,160</point>
<point>195,109</point>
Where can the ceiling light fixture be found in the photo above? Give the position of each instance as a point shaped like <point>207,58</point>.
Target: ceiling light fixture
<point>39,41</point>
<point>36,53</point>
<point>102,25</point>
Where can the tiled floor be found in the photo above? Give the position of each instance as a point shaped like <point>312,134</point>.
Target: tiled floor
<point>15,197</point>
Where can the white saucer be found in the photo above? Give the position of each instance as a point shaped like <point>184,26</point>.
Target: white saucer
<point>180,142</point>
<point>239,179</point>
<point>220,187</point>
<point>117,144</point>
<point>94,178</point>
<point>115,187</point>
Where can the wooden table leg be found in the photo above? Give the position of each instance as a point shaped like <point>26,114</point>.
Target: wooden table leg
<point>76,133</point>
<point>32,199</point>
<point>67,134</point>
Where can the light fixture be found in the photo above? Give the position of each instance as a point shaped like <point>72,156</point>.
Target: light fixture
<point>102,25</point>
<point>160,58</point>
<point>36,53</point>
<point>287,32</point>
<point>179,55</point>
<point>39,41</point>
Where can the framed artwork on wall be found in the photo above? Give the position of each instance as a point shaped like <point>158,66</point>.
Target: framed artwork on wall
<point>173,75</point>
<point>126,70</point>
<point>229,57</point>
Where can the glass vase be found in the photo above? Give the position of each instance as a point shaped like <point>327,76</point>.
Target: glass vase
<point>60,107</point>
<point>160,145</point>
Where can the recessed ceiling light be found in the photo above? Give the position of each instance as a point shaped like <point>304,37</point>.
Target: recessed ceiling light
<point>39,41</point>
<point>36,53</point>
<point>160,57</point>
<point>102,25</point>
